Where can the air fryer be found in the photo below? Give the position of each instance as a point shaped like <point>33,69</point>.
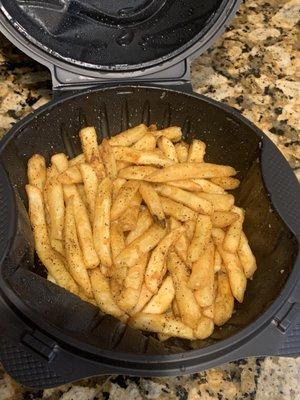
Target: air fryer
<point>49,336</point>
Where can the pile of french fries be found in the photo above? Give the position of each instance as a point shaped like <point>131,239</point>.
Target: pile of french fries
<point>143,227</point>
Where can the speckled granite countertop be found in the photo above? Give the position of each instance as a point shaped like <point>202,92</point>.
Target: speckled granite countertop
<point>254,67</point>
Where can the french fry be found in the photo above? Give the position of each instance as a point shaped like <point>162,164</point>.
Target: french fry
<point>233,235</point>
<point>222,219</point>
<point>202,277</point>
<point>224,302</point>
<point>175,308</point>
<point>109,160</point>
<point>177,210</point>
<point>208,311</point>
<point>204,328</point>
<point>140,246</point>
<point>189,185</point>
<point>88,137</point>
<point>161,324</point>
<point>227,183</point>
<point>103,296</point>
<point>181,245</point>
<point>188,199</point>
<point>140,157</point>
<point>154,271</point>
<point>220,202</point>
<point>60,161</point>
<point>188,307</point>
<point>115,288</point>
<point>117,184</point>
<point>129,218</point>
<point>196,151</point>
<point>190,228</point>
<point>146,143</point>
<point>145,296</point>
<point>208,187</point>
<point>137,172</point>
<point>246,257</point>
<point>101,226</point>
<point>122,165</point>
<point>73,252</point>
<point>173,133</point>
<point>82,194</point>
<point>217,261</point>
<point>200,238</point>
<point>129,137</point>
<point>70,175</point>
<point>152,200</point>
<point>51,260</point>
<point>117,240</point>
<point>90,182</point>
<point>123,199</point>
<point>143,223</point>
<point>168,148</point>
<point>163,298</point>
<point>76,160</point>
<point>191,171</point>
<point>37,171</point>
<point>182,151</point>
<point>51,279</point>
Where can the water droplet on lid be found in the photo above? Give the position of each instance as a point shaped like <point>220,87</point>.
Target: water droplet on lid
<point>125,37</point>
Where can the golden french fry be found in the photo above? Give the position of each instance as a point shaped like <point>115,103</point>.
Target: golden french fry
<point>163,298</point>
<point>168,148</point>
<point>177,210</point>
<point>115,288</point>
<point>208,187</point>
<point>117,184</point>
<point>82,194</point>
<point>128,219</point>
<point>70,175</point>
<point>204,328</point>
<point>208,311</point>
<point>200,238</point>
<point>222,219</point>
<point>152,200</point>
<point>154,271</point>
<point>181,245</point>
<point>162,337</point>
<point>73,252</point>
<point>246,257</point>
<point>190,228</point>
<point>141,157</point>
<point>217,261</point>
<point>123,199</point>
<point>190,200</point>
<point>140,246</point>
<point>182,151</point>
<point>233,235</point>
<point>137,172</point>
<point>224,302</point>
<point>51,260</point>
<point>145,296</point>
<point>160,323</point>
<point>188,307</point>
<point>60,161</point>
<point>37,171</point>
<point>101,226</point>
<point>227,183</point>
<point>109,160</point>
<point>117,240</point>
<point>220,202</point>
<point>184,171</point>
<point>143,223</point>
<point>175,308</point>
<point>51,279</point>
<point>146,143</point>
<point>173,133</point>
<point>103,296</point>
<point>129,137</point>
<point>122,165</point>
<point>189,185</point>
<point>90,182</point>
<point>76,160</point>
<point>196,151</point>
<point>88,137</point>
<point>57,245</point>
<point>202,277</point>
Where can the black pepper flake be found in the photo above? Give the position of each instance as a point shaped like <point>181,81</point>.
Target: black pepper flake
<point>239,99</point>
<point>121,381</point>
<point>181,393</point>
<point>278,110</point>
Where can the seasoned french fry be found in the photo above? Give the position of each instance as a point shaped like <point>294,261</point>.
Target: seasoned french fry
<point>51,260</point>
<point>246,257</point>
<point>188,307</point>
<point>233,235</point>
<point>140,157</point>
<point>168,148</point>
<point>143,223</point>
<point>70,175</point>
<point>177,210</point>
<point>122,165</point>
<point>60,161</point>
<point>123,199</point>
<point>88,137</point>
<point>189,185</point>
<point>76,160</point>
<point>115,288</point>
<point>208,311</point>
<point>103,296</point>
<point>82,194</point>
<point>224,302</point>
<point>129,137</point>
<point>140,246</point>
<point>200,238</point>
<point>146,143</point>
<point>152,200</point>
<point>190,200</point>
<point>90,182</point>
<point>155,267</point>
<point>101,227</point>
<point>163,298</point>
<point>220,202</point>
<point>196,151</point>
<point>190,171</point>
<point>51,279</point>
<point>137,172</point>
<point>222,219</point>
<point>204,328</point>
<point>161,324</point>
<point>175,308</point>
<point>109,160</point>
<point>208,187</point>
<point>217,261</point>
<point>181,245</point>
<point>73,252</point>
<point>117,184</point>
<point>128,219</point>
<point>173,133</point>
<point>182,151</point>
<point>37,171</point>
<point>202,277</point>
<point>117,240</point>
<point>145,296</point>
<point>227,183</point>
<point>190,228</point>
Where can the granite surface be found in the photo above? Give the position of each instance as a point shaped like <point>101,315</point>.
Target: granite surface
<point>254,67</point>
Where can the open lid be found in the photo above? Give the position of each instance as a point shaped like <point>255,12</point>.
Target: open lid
<point>135,37</point>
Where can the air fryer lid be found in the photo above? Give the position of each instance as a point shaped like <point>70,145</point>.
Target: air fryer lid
<point>120,35</point>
